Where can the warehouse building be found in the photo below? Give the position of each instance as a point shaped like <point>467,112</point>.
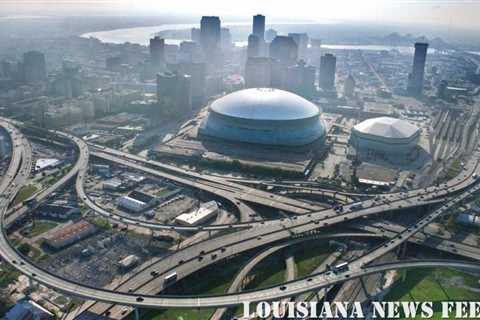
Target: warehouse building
<point>70,235</point>
<point>136,201</point>
<point>205,212</point>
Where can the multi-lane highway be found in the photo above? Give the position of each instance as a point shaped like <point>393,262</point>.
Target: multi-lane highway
<point>190,259</point>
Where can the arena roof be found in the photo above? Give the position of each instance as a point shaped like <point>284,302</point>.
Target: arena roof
<point>387,127</point>
<point>264,104</point>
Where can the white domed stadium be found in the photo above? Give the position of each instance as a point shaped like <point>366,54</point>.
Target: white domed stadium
<point>395,139</point>
<point>264,116</point>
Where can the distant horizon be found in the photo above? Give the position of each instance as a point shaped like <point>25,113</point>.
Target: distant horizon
<point>461,14</point>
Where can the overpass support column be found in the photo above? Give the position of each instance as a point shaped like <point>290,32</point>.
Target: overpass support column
<point>364,287</point>
<point>137,315</point>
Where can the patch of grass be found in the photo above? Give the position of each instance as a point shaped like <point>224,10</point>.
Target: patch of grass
<point>103,223</point>
<point>433,285</point>
<point>41,227</point>
<point>212,280</point>
<point>7,275</point>
<point>309,256</point>
<point>24,193</point>
<point>454,169</point>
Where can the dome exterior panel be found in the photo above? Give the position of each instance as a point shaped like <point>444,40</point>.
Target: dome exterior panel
<point>264,104</point>
<point>394,138</point>
<point>264,116</point>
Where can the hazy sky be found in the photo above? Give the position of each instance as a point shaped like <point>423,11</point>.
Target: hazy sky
<point>454,13</point>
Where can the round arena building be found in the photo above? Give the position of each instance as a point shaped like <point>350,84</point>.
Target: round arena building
<point>264,116</point>
<point>390,138</point>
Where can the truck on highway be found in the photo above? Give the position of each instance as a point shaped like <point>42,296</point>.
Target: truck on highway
<point>170,278</point>
<point>340,268</point>
<point>357,206</point>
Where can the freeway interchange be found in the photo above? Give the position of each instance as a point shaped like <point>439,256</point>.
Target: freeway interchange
<point>140,288</point>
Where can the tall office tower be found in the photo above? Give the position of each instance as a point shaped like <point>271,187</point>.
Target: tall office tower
<point>328,65</point>
<point>184,92</point>
<point>34,67</point>
<point>195,35</point>
<point>259,26</point>
<point>258,72</point>
<point>3,147</point>
<point>68,83</point>
<point>253,48</point>
<point>189,52</point>
<point>225,38</point>
<point>210,35</point>
<point>301,79</point>
<point>157,53</point>
<point>278,75</point>
<point>197,73</point>
<point>174,91</point>
<point>8,69</point>
<point>284,49</point>
<point>349,86</point>
<point>301,39</point>
<point>270,34</point>
<point>415,79</point>
<point>442,88</point>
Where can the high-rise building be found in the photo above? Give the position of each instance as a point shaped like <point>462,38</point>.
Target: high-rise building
<point>189,52</point>
<point>259,26</point>
<point>301,39</point>
<point>284,49</point>
<point>253,48</point>
<point>68,83</point>
<point>258,72</point>
<point>157,53</point>
<point>349,86</point>
<point>195,35</point>
<point>210,34</point>
<point>301,79</point>
<point>197,73</point>
<point>34,67</point>
<point>415,79</point>
<point>270,34</point>
<point>328,65</point>
<point>225,38</point>
<point>174,91</point>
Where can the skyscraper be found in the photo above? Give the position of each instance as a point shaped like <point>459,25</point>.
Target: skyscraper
<point>301,39</point>
<point>253,48</point>
<point>210,34</point>
<point>415,79</point>
<point>328,65</point>
<point>189,52</point>
<point>157,53</point>
<point>198,79</point>
<point>225,38</point>
<point>349,86</point>
<point>174,91</point>
<point>258,72</point>
<point>259,26</point>
<point>34,67</point>
<point>195,35</point>
<point>284,49</point>
<point>301,79</point>
<point>270,34</point>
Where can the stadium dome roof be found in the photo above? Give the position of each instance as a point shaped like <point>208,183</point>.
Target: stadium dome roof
<point>264,104</point>
<point>387,127</point>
